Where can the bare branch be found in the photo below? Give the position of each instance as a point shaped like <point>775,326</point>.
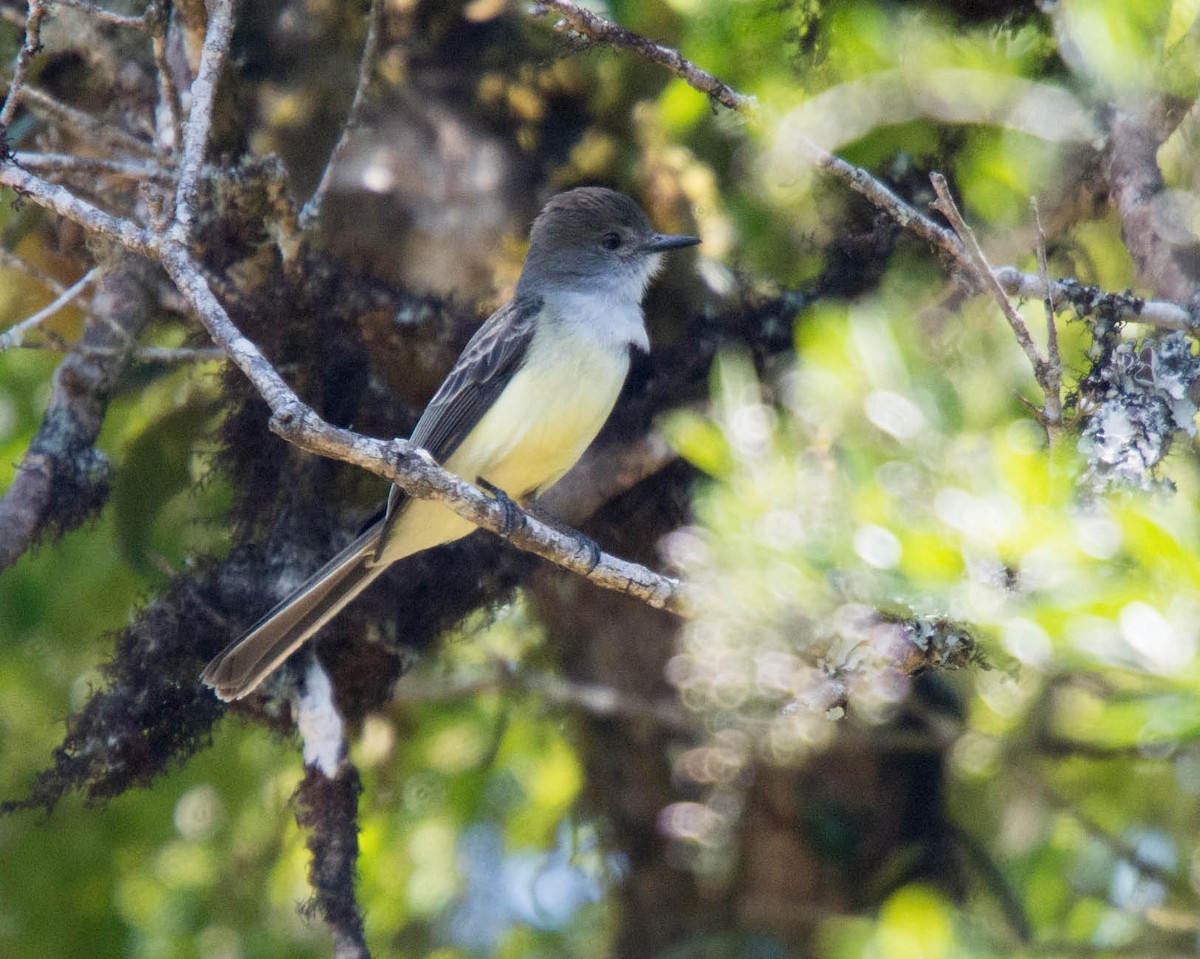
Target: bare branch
<point>141,354</point>
<point>981,271</point>
<point>15,334</point>
<point>63,202</point>
<point>907,217</point>
<point>605,472</point>
<point>413,471</point>
<point>105,16</point>
<point>587,24</point>
<point>157,18</point>
<point>1146,207</point>
<point>63,480</point>
<point>80,124</point>
<point>204,93</point>
<point>11,261</point>
<point>30,47</point>
<point>68,163</point>
<point>596,699</point>
<point>1054,368</point>
<point>366,69</point>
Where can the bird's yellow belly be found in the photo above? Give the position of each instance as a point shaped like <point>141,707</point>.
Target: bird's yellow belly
<point>535,431</point>
<point>543,421</point>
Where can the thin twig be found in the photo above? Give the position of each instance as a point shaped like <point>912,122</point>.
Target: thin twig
<point>105,16</point>
<point>10,261</point>
<point>81,124</point>
<point>204,92</point>
<point>15,334</point>
<point>70,163</point>
<point>157,18</point>
<point>1054,368</point>
<point>30,47</point>
<point>981,272</point>
<point>65,203</point>
<point>142,354</point>
<point>595,28</point>
<point>906,216</point>
<point>366,69</point>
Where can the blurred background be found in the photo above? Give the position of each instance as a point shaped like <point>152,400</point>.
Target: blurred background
<point>857,474</point>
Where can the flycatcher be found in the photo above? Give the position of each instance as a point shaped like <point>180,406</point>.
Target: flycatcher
<point>524,400</point>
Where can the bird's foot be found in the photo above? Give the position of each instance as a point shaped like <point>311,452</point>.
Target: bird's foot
<point>588,545</point>
<point>514,518</point>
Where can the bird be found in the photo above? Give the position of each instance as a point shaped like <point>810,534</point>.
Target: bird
<point>525,398</point>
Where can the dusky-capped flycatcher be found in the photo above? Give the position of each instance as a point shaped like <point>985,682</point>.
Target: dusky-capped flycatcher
<point>526,397</point>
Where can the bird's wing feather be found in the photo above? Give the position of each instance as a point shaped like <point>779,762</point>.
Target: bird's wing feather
<point>484,368</point>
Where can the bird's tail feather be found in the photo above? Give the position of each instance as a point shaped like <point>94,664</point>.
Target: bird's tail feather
<point>246,662</point>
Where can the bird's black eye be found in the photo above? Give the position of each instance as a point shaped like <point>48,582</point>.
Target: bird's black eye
<point>611,241</point>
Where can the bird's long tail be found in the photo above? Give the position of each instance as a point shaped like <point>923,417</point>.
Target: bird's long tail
<point>246,662</point>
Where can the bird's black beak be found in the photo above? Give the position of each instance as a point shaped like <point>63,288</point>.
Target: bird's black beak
<point>662,242</point>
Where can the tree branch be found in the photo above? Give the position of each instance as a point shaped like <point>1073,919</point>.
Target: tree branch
<point>31,45</point>
<point>158,19</point>
<point>204,92</point>
<point>366,69</point>
<point>106,16</point>
<point>80,124</point>
<point>69,163</point>
<point>1165,263</point>
<point>1048,376</point>
<point>595,28</point>
<point>15,334</point>
<point>63,480</point>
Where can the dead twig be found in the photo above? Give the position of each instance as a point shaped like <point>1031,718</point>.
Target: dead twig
<point>1054,368</point>
<point>980,271</point>
<point>583,22</point>
<point>366,69</point>
<point>141,354</point>
<point>80,124</point>
<point>204,93</point>
<point>169,127</point>
<point>106,16</point>
<point>15,334</point>
<point>67,163</point>
<point>31,46</point>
